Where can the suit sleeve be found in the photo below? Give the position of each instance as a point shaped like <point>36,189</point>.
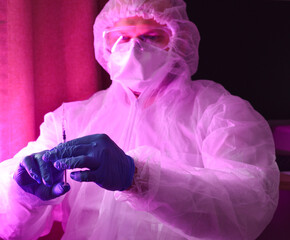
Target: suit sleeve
<point>233,196</point>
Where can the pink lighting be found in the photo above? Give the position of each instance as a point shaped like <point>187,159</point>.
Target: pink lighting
<point>204,159</point>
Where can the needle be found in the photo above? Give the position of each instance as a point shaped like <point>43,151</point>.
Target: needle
<point>64,139</point>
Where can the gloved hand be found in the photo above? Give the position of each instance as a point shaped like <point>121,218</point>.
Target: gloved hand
<point>40,178</point>
<point>108,165</point>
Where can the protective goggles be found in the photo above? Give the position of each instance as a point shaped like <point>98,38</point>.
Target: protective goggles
<point>156,36</point>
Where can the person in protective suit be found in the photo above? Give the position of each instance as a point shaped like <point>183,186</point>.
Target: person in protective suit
<point>155,156</point>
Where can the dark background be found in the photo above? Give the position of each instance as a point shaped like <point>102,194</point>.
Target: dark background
<point>246,47</point>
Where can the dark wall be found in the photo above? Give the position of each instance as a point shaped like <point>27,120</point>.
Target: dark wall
<point>246,48</point>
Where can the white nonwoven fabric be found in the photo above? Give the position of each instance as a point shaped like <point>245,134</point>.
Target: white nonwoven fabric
<point>206,169</point>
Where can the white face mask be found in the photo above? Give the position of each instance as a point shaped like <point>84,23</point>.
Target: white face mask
<point>136,64</point>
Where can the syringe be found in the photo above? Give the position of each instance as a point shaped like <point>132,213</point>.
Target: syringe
<point>64,138</point>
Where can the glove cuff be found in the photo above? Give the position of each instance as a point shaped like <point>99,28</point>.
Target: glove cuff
<point>132,171</point>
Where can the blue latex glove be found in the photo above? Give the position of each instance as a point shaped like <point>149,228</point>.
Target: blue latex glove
<point>40,178</point>
<point>108,165</point>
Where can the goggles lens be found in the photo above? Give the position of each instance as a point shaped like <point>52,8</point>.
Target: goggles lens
<point>157,36</point>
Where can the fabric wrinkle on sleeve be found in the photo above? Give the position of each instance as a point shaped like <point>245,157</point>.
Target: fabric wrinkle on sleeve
<point>146,178</point>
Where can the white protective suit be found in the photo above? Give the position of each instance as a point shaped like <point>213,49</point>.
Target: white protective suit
<point>205,159</point>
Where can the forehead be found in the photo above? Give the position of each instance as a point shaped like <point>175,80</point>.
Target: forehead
<point>137,21</point>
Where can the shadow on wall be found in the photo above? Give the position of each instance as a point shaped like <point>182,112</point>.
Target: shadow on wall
<point>279,226</point>
<point>245,47</point>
